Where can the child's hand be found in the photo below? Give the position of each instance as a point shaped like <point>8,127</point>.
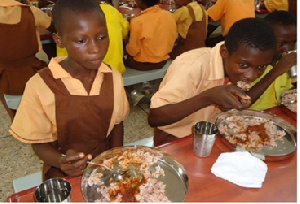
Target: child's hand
<point>229,97</point>
<point>74,163</point>
<point>286,63</point>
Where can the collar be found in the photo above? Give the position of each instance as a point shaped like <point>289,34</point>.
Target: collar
<point>59,72</point>
<point>151,9</point>
<point>216,63</point>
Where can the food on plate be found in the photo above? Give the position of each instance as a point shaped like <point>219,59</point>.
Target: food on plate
<point>289,99</point>
<point>144,187</point>
<point>250,132</point>
<point>244,85</point>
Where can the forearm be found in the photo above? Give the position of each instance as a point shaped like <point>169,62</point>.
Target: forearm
<point>171,113</point>
<point>259,88</point>
<point>47,153</point>
<point>116,136</point>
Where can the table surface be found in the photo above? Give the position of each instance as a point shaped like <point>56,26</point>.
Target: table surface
<point>280,183</point>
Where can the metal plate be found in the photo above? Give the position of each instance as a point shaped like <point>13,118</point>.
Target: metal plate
<point>284,148</point>
<point>175,179</point>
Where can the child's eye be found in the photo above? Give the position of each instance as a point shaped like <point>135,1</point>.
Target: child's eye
<point>81,41</point>
<point>101,37</point>
<point>262,67</point>
<point>244,66</point>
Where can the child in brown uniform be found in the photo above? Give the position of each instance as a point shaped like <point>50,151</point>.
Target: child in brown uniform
<point>77,105</point>
<point>19,43</point>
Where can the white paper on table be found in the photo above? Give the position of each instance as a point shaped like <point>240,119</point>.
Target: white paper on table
<point>240,168</point>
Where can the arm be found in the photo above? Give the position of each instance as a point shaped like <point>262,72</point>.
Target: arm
<point>73,163</point>
<point>284,65</point>
<point>116,135</point>
<point>227,97</point>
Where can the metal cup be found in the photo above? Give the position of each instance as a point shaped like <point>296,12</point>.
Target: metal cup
<point>204,138</point>
<point>293,70</point>
<point>53,190</point>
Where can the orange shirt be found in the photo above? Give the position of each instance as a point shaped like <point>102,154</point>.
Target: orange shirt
<point>152,35</point>
<point>190,74</point>
<point>10,13</point>
<point>230,11</point>
<point>35,121</point>
<point>279,5</point>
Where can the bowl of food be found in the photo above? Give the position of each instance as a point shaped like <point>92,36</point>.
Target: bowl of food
<point>289,102</point>
<point>258,132</point>
<point>138,174</point>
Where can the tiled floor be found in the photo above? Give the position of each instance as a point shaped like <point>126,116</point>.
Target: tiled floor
<point>18,159</point>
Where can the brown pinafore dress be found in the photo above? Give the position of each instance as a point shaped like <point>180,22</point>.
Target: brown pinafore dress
<point>82,121</point>
<point>18,43</point>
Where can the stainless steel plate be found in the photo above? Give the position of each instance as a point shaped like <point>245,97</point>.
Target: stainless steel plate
<point>175,179</point>
<point>284,148</point>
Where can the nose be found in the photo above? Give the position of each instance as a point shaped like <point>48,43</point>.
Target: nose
<point>253,74</point>
<point>93,47</point>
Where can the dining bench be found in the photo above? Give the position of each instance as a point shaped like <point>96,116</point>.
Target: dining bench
<point>132,76</point>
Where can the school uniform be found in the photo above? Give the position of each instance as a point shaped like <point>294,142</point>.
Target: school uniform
<point>184,20</point>
<point>197,70</point>
<point>57,109</point>
<point>279,5</point>
<point>152,36</point>
<point>230,11</point>
<point>272,96</point>
<point>19,42</point>
<point>117,27</point>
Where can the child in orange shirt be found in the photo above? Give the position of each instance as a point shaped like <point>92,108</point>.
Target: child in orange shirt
<point>152,37</point>
<point>73,110</point>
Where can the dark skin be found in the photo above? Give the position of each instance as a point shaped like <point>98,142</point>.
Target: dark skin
<point>245,64</point>
<point>86,39</point>
<point>286,37</point>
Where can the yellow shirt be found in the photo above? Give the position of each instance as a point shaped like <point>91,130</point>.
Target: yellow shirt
<point>152,35</point>
<point>10,13</point>
<point>272,96</point>
<point>184,19</point>
<point>230,11</point>
<point>35,121</point>
<point>190,74</point>
<point>117,27</point>
<point>273,5</point>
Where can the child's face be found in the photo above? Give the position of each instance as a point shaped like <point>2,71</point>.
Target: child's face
<point>286,37</point>
<point>246,64</point>
<point>85,38</point>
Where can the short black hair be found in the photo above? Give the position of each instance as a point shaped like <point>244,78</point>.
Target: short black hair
<point>65,7</point>
<point>281,18</point>
<point>150,3</point>
<point>252,32</point>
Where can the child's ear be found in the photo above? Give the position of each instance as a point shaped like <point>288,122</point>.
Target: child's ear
<point>57,40</point>
<point>224,51</point>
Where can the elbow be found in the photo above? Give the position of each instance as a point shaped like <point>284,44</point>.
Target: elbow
<point>151,120</point>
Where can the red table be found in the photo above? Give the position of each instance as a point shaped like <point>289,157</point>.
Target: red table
<point>280,183</point>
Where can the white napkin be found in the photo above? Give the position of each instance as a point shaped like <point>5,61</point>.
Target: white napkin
<point>240,168</point>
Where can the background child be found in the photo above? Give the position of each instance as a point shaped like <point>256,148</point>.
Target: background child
<point>285,27</point>
<point>117,27</point>
<point>19,42</point>
<point>77,105</point>
<point>230,11</point>
<point>201,93</point>
<point>189,12</point>
<point>152,37</point>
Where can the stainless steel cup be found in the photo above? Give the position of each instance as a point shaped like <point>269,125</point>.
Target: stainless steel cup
<point>53,190</point>
<point>204,138</point>
<point>293,70</point>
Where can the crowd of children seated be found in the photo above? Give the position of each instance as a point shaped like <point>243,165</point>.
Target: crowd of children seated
<point>96,44</point>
